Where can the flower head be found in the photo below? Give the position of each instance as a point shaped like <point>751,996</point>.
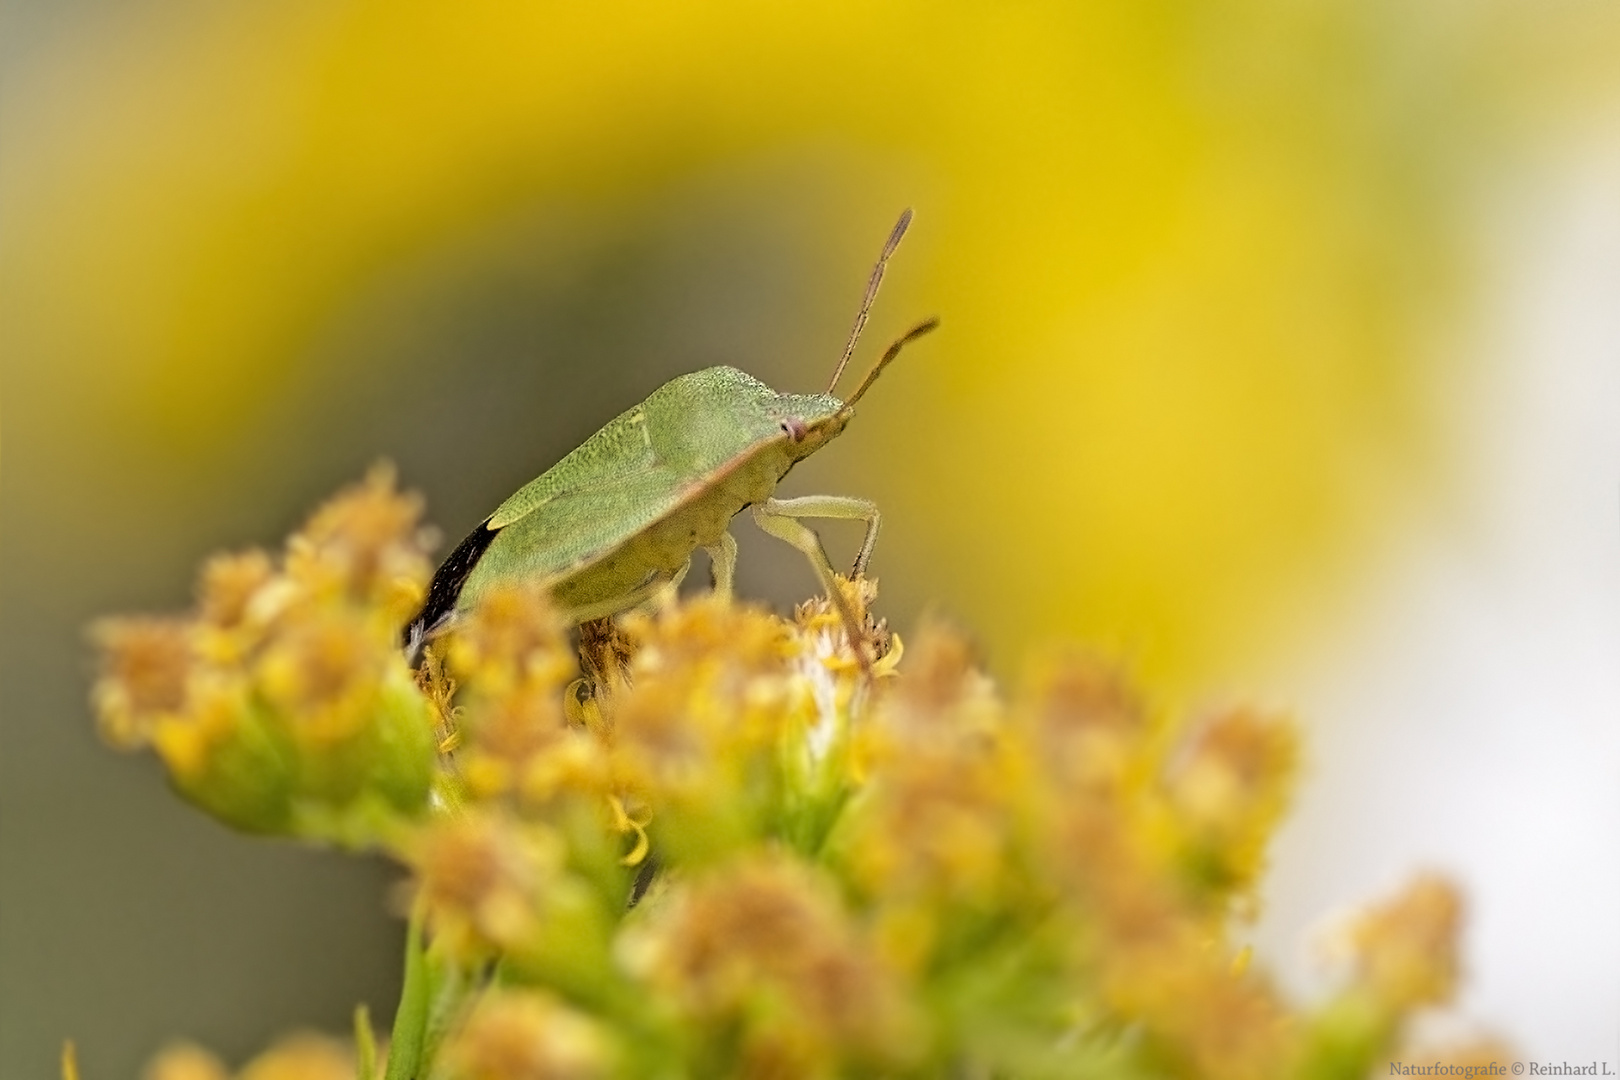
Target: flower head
<point>765,945</point>
<point>282,703</point>
<point>707,841</point>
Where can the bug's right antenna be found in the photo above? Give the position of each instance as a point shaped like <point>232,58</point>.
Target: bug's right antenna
<point>871,294</point>
<point>926,326</point>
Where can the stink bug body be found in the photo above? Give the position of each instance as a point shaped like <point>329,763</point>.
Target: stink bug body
<point>616,521</point>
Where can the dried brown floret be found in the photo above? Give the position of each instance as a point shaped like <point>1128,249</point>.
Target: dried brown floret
<point>145,665</point>
<point>228,584</point>
<point>820,618</point>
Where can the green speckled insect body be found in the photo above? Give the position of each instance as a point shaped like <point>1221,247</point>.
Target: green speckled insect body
<point>616,520</point>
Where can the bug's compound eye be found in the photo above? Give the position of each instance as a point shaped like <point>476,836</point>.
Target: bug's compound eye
<point>795,429</point>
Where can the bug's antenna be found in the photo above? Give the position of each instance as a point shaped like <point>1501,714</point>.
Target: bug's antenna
<point>889,354</point>
<point>872,284</point>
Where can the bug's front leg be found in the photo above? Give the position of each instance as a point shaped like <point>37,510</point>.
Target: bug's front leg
<point>779,518</point>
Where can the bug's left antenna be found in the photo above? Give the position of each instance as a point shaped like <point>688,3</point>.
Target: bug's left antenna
<point>871,294</point>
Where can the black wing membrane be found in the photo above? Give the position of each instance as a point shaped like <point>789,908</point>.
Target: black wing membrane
<point>445,588</point>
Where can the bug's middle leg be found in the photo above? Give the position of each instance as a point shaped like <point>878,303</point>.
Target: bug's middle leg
<point>779,518</point>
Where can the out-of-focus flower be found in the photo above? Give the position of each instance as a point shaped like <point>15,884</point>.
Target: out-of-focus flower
<point>1405,949</point>
<point>1089,731</point>
<point>1398,955</point>
<point>763,946</point>
<point>528,1035</point>
<point>185,1061</point>
<point>935,816</point>
<point>367,543</point>
<point>1227,793</point>
<point>713,711</point>
<point>484,881</point>
<point>302,1057</point>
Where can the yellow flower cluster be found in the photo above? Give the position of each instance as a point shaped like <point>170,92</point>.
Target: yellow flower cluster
<point>709,841</point>
<point>282,703</point>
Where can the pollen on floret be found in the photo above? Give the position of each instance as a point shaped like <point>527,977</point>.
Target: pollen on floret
<point>528,1035</point>
<point>145,666</point>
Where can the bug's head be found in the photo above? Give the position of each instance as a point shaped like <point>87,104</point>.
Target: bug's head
<point>809,421</point>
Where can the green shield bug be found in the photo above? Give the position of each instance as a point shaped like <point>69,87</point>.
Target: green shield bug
<point>616,520</point>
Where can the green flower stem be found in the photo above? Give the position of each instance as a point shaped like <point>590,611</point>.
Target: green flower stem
<point>409,1038</point>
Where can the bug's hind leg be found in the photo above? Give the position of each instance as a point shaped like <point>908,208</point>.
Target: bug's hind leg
<point>661,588</point>
<point>723,563</point>
<point>666,593</point>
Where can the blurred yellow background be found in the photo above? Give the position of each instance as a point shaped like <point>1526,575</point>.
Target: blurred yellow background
<point>1201,269</point>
